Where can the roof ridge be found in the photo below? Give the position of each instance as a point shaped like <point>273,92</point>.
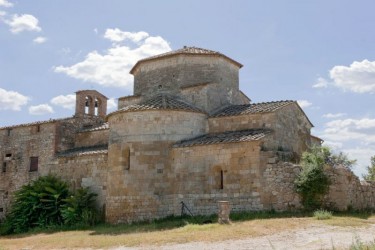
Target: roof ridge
<point>160,101</point>
<point>185,50</point>
<point>225,137</point>
<point>251,108</point>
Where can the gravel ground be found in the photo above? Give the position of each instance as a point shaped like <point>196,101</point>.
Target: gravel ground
<point>312,237</point>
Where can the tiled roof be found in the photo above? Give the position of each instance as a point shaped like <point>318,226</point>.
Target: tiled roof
<point>98,149</point>
<point>226,137</point>
<point>100,127</point>
<point>253,108</point>
<point>186,51</point>
<point>160,102</point>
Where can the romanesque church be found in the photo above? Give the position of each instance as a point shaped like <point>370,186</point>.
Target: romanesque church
<point>187,134</point>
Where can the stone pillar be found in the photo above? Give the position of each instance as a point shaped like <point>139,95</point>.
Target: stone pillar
<point>224,211</point>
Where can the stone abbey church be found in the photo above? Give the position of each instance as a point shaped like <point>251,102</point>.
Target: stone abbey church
<point>187,134</point>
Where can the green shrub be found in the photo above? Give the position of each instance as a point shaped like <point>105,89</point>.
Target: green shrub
<point>370,176</point>
<point>79,208</point>
<point>322,214</point>
<point>37,204</point>
<point>48,203</point>
<point>312,183</point>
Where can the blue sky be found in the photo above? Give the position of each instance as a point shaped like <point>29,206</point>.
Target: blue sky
<point>320,53</point>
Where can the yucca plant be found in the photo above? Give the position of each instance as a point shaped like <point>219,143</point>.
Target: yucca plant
<point>37,204</point>
<point>79,208</point>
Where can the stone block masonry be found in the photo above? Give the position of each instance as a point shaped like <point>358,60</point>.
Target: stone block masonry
<point>187,134</point>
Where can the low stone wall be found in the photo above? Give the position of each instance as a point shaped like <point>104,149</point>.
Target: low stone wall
<point>346,191</point>
<point>280,193</point>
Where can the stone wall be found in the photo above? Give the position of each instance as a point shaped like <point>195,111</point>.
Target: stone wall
<point>206,174</point>
<point>139,186</point>
<point>291,129</point>
<point>82,170</point>
<point>67,129</point>
<point>279,191</point>
<point>170,74</point>
<point>17,145</point>
<point>91,138</point>
<point>348,192</point>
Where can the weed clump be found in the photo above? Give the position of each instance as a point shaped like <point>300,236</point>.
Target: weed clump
<point>322,214</point>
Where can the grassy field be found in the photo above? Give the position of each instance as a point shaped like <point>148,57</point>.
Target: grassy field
<point>176,230</point>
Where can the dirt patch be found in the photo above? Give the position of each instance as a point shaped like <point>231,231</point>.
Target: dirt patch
<point>313,237</point>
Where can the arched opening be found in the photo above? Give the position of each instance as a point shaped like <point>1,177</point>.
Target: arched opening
<point>125,158</point>
<point>221,179</point>
<point>88,103</point>
<point>97,106</point>
<point>218,176</point>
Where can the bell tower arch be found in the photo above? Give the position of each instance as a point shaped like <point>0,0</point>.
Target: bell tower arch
<point>91,102</point>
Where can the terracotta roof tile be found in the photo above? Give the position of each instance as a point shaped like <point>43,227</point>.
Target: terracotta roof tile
<point>98,149</point>
<point>103,126</point>
<point>253,108</point>
<point>226,137</point>
<point>160,102</point>
<point>185,51</point>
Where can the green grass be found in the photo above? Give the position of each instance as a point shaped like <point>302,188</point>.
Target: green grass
<point>174,222</point>
<point>322,214</point>
<point>179,230</point>
<point>256,215</point>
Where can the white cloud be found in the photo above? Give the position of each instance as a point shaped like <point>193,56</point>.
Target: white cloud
<point>116,35</point>
<point>321,83</point>
<point>334,145</point>
<point>363,156</point>
<point>41,109</point>
<point>356,137</point>
<point>11,100</point>
<point>330,115</point>
<point>111,104</point>
<point>5,3</point>
<point>24,22</point>
<point>2,13</point>
<point>359,77</point>
<point>40,39</point>
<point>111,69</point>
<point>304,103</point>
<point>65,101</point>
<point>362,130</point>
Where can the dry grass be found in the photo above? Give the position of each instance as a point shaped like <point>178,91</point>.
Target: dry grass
<point>99,238</point>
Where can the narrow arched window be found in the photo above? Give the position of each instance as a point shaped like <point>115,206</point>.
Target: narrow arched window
<point>125,158</point>
<point>221,179</point>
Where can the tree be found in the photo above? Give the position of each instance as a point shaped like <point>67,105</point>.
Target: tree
<point>370,176</point>
<point>312,183</point>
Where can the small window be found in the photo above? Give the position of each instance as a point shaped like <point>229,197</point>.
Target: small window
<point>8,157</point>
<point>9,131</point>
<point>34,164</point>
<point>126,158</point>
<point>1,210</point>
<point>221,179</point>
<point>38,128</point>
<point>4,168</point>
